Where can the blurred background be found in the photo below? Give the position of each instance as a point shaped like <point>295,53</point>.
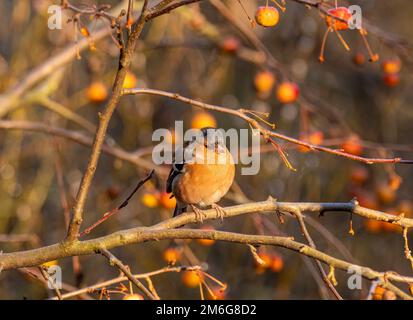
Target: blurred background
<point>210,52</point>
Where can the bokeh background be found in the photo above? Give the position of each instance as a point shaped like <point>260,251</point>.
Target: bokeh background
<point>197,52</point>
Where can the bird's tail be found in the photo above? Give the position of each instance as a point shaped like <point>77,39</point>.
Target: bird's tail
<point>179,210</point>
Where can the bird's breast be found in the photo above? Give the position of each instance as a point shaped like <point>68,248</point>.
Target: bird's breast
<point>204,184</point>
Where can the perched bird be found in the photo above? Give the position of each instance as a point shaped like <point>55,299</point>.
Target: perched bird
<point>204,178</point>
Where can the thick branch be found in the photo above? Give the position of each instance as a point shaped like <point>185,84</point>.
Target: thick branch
<point>144,234</point>
<point>104,118</point>
<point>163,231</point>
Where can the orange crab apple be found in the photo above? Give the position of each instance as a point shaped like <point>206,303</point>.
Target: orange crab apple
<point>359,59</point>
<point>267,16</point>
<point>378,293</point>
<point>206,242</point>
<point>264,81</point>
<point>192,279</point>
<point>385,194</point>
<point>133,296</point>
<point>353,145</point>
<point>373,226</point>
<point>130,81</point>
<point>287,92</point>
<point>406,207</point>
<point>264,262</point>
<point>359,175</point>
<point>97,92</point>
<point>167,201</point>
<point>391,66</point>
<point>203,119</point>
<point>277,263</point>
<point>171,255</point>
<point>335,18</point>
<point>366,199</point>
<point>314,138</point>
<point>150,200</point>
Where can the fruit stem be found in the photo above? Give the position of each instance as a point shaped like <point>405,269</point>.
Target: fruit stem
<point>373,56</point>
<point>282,8</point>
<point>343,42</point>
<point>323,45</point>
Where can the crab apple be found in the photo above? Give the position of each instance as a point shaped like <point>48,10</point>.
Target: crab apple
<point>97,92</point>
<point>314,138</point>
<point>406,207</point>
<point>264,81</point>
<point>385,194</point>
<point>287,92</point>
<point>230,45</point>
<point>192,279</point>
<point>206,242</point>
<point>130,81</point>
<point>341,13</point>
<point>359,59</point>
<point>391,66</point>
<point>133,296</point>
<point>277,263</point>
<point>150,200</point>
<point>366,199</point>
<point>203,119</point>
<point>373,226</point>
<point>395,181</point>
<point>353,145</point>
<point>167,201</point>
<point>171,255</point>
<point>389,295</point>
<point>378,293</point>
<point>267,16</point>
<point>359,175</point>
<point>265,263</point>
<point>391,79</point>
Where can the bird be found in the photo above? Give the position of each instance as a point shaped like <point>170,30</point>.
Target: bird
<point>204,178</point>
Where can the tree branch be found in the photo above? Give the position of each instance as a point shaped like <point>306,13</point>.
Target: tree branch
<point>104,118</point>
<point>267,134</point>
<point>116,262</point>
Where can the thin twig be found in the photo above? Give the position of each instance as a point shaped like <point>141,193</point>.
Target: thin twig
<point>240,113</point>
<point>116,262</point>
<point>109,214</point>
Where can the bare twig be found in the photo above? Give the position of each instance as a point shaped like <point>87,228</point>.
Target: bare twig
<point>311,242</point>
<point>81,138</point>
<point>46,276</point>
<point>107,215</point>
<point>240,113</point>
<point>110,282</point>
<point>116,262</point>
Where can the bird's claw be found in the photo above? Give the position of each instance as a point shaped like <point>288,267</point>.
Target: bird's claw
<point>199,214</point>
<point>220,211</point>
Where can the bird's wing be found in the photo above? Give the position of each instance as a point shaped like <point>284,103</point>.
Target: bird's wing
<point>175,171</point>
